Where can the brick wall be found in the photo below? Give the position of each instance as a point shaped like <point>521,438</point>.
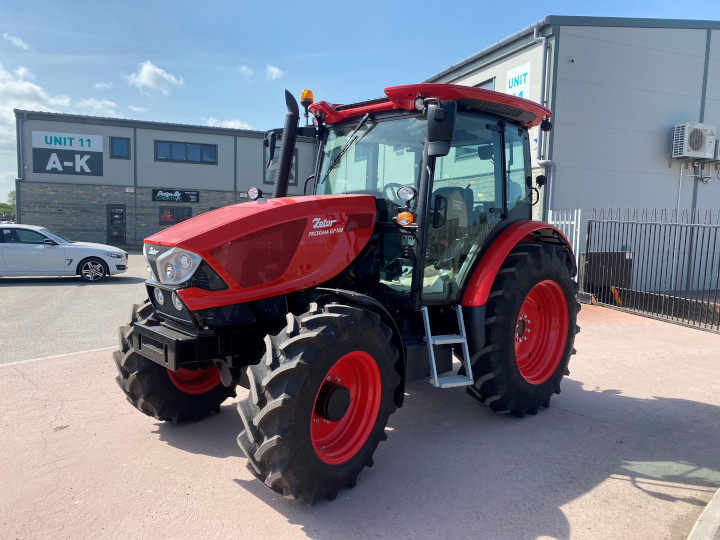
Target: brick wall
<point>79,211</point>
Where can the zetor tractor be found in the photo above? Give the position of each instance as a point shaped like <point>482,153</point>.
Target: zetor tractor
<point>415,245</point>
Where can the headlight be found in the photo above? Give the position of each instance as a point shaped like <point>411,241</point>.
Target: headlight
<point>114,255</point>
<point>177,265</point>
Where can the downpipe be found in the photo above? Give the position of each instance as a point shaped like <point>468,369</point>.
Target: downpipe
<point>287,149</point>
<point>547,163</point>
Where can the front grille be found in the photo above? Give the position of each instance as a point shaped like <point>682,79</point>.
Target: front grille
<point>152,252</point>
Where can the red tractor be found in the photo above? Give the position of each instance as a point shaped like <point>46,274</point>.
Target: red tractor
<point>416,242</point>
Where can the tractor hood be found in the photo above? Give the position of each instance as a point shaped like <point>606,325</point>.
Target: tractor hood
<point>270,247</point>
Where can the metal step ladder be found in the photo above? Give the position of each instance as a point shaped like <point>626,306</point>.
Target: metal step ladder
<point>450,339</point>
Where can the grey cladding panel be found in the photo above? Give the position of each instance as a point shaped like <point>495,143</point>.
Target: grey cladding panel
<point>631,66</point>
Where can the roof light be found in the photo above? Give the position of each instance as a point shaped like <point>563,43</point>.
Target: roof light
<point>419,104</point>
<point>254,193</point>
<point>405,219</point>
<point>306,98</point>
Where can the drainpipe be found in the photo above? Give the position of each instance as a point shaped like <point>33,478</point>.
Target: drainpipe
<point>547,163</point>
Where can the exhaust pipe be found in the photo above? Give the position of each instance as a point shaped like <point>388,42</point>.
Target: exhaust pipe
<point>287,149</point>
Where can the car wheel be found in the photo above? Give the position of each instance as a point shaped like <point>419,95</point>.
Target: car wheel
<point>93,269</point>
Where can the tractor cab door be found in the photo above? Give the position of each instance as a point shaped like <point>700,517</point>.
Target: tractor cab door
<point>481,184</point>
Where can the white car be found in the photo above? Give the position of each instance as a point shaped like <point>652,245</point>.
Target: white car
<point>29,250</point>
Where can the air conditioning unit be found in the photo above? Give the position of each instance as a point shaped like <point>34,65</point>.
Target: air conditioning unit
<point>693,140</point>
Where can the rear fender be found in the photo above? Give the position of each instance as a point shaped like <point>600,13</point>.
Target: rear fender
<point>369,303</point>
<point>479,285</point>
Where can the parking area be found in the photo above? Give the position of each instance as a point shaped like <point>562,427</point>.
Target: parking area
<point>630,448</point>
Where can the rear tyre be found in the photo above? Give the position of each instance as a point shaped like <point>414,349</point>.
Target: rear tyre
<point>530,329</point>
<point>158,392</point>
<point>93,269</point>
<point>319,402</point>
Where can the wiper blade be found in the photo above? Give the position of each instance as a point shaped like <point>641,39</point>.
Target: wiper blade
<point>348,144</point>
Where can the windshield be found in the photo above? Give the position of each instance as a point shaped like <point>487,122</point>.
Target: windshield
<point>381,157</point>
<point>55,236</point>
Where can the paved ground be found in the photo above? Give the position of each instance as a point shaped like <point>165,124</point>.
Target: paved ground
<point>631,448</point>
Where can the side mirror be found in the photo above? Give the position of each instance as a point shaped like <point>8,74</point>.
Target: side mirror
<point>270,141</point>
<point>49,242</point>
<point>440,125</point>
<point>540,180</point>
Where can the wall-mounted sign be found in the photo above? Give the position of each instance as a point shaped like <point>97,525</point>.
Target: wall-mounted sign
<point>175,195</point>
<point>67,153</point>
<point>517,81</point>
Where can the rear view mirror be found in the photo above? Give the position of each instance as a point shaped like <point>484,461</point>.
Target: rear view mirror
<point>485,152</point>
<point>439,211</point>
<point>440,126</point>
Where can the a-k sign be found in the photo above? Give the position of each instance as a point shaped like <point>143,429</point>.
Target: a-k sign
<point>67,153</point>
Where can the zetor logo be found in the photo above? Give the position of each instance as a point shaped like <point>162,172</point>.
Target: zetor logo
<point>319,223</point>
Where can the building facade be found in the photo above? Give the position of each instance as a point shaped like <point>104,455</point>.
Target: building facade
<point>617,87</point>
<point>118,181</point>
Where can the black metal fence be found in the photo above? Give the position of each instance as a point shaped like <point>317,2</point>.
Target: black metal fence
<point>657,263</point>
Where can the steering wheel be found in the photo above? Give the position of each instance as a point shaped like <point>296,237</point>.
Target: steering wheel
<point>390,193</point>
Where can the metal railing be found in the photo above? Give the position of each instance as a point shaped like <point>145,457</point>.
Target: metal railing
<point>568,221</point>
<point>657,263</point>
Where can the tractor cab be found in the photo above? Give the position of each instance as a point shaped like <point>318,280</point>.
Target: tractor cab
<point>449,166</point>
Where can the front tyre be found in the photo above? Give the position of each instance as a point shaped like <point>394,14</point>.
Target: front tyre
<point>319,402</point>
<point>175,396</point>
<point>529,331</point>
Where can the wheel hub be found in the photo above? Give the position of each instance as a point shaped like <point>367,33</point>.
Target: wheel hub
<point>332,402</point>
<point>541,332</point>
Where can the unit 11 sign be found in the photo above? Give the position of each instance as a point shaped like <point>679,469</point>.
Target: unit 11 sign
<point>67,153</point>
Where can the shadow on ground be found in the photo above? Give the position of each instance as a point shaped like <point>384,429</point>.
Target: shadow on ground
<point>65,281</point>
<point>450,465</point>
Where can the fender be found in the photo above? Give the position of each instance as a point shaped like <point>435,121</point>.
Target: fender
<point>478,286</point>
<point>369,303</point>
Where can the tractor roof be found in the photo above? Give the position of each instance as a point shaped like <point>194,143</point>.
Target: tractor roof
<point>514,109</point>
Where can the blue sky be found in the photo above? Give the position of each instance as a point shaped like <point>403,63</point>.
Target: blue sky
<point>227,63</point>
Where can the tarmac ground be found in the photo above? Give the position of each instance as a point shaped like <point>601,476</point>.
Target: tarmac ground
<point>630,448</point>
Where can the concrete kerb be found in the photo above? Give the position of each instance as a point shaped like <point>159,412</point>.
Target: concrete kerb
<point>707,527</point>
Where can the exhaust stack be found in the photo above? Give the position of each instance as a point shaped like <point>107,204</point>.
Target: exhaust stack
<point>287,148</point>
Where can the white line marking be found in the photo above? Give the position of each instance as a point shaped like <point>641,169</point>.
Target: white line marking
<point>55,356</point>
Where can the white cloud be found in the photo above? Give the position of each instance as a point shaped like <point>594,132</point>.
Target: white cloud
<point>152,77</point>
<point>24,73</point>
<point>103,85</point>
<point>18,93</point>
<point>136,109</point>
<point>245,70</point>
<point>273,72</point>
<point>98,107</point>
<point>234,123</point>
<point>19,43</point>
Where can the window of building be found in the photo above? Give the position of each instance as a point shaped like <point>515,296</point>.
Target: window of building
<point>186,152</point>
<point>119,148</point>
<point>170,215</point>
<point>487,85</point>
<point>270,175</point>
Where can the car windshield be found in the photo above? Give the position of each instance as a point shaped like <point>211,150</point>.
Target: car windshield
<point>380,155</point>
<point>55,236</point>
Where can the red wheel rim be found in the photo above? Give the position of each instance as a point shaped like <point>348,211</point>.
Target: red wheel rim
<point>337,442</point>
<point>195,381</point>
<point>541,332</point>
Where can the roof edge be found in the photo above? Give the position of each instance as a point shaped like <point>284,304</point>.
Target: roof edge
<point>571,20</point>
